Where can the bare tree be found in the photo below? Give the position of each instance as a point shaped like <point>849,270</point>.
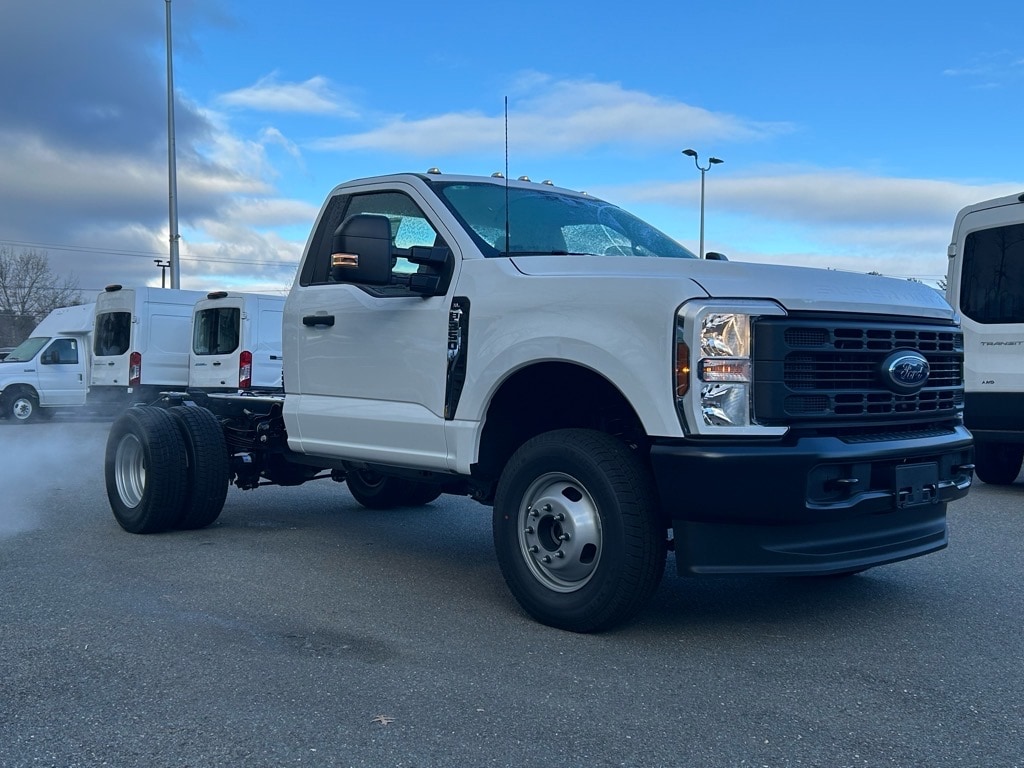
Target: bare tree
<point>29,291</point>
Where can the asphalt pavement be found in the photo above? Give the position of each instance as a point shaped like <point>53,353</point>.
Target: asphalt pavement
<point>303,630</point>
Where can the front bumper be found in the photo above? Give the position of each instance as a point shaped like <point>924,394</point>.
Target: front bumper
<point>810,505</point>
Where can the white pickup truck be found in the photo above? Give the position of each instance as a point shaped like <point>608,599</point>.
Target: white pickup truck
<point>612,397</point>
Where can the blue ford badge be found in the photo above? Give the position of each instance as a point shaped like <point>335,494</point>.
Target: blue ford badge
<point>905,371</point>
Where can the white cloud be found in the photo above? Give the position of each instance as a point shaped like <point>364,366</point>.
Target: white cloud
<point>826,197</point>
<point>314,96</point>
<point>550,117</point>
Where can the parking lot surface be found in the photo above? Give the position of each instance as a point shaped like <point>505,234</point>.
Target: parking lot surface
<point>303,630</point>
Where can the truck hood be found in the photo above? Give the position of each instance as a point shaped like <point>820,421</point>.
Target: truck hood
<point>797,289</point>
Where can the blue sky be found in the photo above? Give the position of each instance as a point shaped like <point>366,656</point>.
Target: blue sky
<point>851,133</point>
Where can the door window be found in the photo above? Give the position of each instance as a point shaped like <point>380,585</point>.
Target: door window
<point>409,227</point>
<point>61,352</point>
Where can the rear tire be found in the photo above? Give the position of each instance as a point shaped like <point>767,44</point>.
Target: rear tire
<point>998,463</point>
<point>376,491</point>
<point>577,530</point>
<point>146,470</point>
<point>209,467</point>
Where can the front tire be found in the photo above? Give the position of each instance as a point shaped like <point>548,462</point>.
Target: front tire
<point>577,531</point>
<point>23,407</point>
<point>146,470</point>
<point>376,491</point>
<point>998,463</point>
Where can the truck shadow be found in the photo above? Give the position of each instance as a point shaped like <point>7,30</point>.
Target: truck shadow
<point>444,551</point>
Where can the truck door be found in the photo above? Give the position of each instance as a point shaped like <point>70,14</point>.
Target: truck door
<point>370,376</point>
<point>61,372</point>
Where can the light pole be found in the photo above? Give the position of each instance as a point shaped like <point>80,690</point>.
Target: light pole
<point>172,174</point>
<point>711,161</point>
<point>163,271</point>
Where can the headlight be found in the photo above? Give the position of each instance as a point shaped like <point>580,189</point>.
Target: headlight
<point>717,395</point>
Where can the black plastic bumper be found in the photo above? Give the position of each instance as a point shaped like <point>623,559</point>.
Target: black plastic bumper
<point>810,505</point>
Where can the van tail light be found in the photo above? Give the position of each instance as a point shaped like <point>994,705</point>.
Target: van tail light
<point>245,370</point>
<point>134,369</point>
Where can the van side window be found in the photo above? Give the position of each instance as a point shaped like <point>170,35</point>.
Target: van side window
<point>61,352</point>
<point>992,279</point>
<point>113,333</point>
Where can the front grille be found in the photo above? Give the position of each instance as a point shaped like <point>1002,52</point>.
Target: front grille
<point>811,370</point>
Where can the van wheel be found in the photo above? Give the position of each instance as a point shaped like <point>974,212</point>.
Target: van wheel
<point>146,470</point>
<point>998,463</point>
<point>209,469</point>
<point>577,530</point>
<point>376,491</point>
<point>23,406</point>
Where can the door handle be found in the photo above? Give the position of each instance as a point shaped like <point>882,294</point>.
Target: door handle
<point>313,320</point>
<point>216,362</point>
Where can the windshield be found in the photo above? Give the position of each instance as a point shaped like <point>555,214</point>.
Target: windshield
<point>26,350</point>
<point>545,222</point>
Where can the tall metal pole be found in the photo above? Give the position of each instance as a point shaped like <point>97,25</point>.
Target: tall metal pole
<point>172,172</point>
<point>703,170</point>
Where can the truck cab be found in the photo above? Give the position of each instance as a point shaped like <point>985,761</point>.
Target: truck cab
<point>50,369</point>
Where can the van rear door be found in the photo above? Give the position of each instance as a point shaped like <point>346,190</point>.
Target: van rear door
<point>216,344</point>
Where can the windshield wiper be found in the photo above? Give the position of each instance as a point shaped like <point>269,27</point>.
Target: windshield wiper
<point>547,253</point>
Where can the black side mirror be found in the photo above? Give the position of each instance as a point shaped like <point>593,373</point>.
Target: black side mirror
<point>435,269</point>
<point>715,256</point>
<point>361,250</point>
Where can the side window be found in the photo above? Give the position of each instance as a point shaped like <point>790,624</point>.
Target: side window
<point>409,227</point>
<point>316,269</point>
<point>61,352</point>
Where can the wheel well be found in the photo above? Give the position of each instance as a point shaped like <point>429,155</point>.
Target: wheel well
<point>549,396</point>
<point>8,395</point>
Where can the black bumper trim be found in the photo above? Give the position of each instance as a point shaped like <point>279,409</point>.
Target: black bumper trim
<point>807,505</point>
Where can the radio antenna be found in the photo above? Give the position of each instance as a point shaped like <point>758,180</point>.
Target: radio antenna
<point>507,236</point>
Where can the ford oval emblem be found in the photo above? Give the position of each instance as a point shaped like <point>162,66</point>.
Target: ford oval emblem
<point>905,371</point>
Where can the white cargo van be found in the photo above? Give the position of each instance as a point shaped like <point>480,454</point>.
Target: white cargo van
<point>985,283</point>
<point>236,342</point>
<point>140,343</point>
<point>50,369</point>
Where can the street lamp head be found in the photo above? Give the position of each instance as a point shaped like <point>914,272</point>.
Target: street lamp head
<point>715,160</point>
<point>690,153</point>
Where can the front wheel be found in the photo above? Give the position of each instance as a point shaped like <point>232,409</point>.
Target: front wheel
<point>23,407</point>
<point>998,463</point>
<point>577,531</point>
<point>376,491</point>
